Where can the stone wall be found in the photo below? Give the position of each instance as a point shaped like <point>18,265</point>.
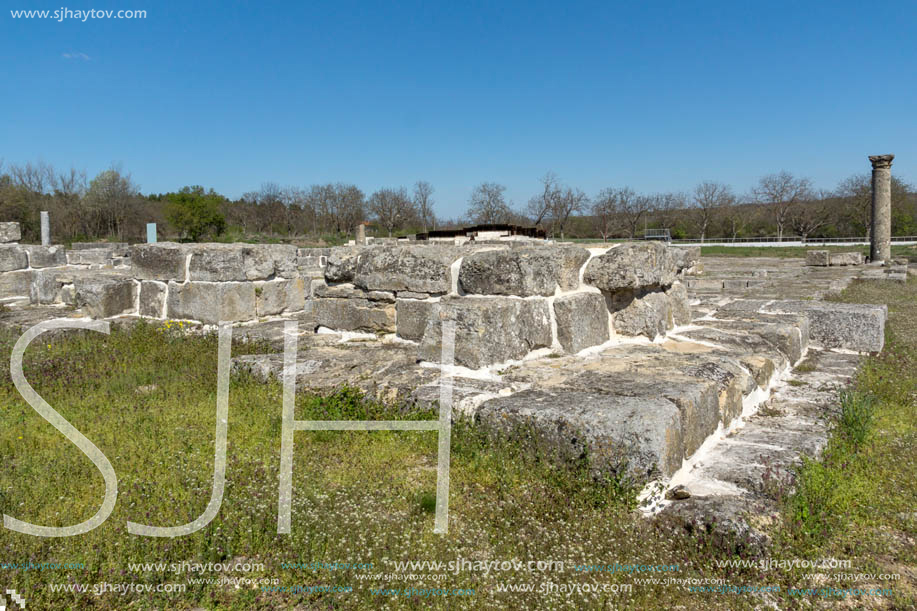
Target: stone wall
<point>507,301</point>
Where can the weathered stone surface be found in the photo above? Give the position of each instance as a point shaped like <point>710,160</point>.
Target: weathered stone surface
<point>46,256</point>
<point>848,326</point>
<point>102,297</point>
<point>639,438</point>
<point>818,258</point>
<point>489,330</point>
<point>276,296</point>
<point>118,249</point>
<point>788,332</point>
<point>846,258</point>
<point>231,262</point>
<point>423,269</point>
<point>648,315</point>
<point>412,317</point>
<point>686,257</point>
<point>152,298</point>
<point>212,302</point>
<point>284,258</point>
<point>354,315</point>
<point>162,261</point>
<point>9,232</point>
<point>582,321</point>
<point>522,271</point>
<point>341,264</point>
<point>12,257</point>
<point>15,284</point>
<point>679,306</point>
<point>90,256</point>
<point>633,265</point>
<point>47,283</point>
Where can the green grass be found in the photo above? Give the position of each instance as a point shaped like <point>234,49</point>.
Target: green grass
<point>797,251</point>
<point>146,397</point>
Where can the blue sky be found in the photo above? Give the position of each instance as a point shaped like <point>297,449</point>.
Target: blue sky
<point>654,95</point>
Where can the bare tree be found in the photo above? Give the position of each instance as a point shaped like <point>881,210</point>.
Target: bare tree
<point>733,217</point>
<point>604,211</point>
<point>392,208</point>
<point>487,204</point>
<point>710,196</point>
<point>541,205</point>
<point>631,207</point>
<point>780,193</point>
<point>668,208</point>
<point>567,201</point>
<point>808,217</point>
<point>423,202</point>
<point>111,196</point>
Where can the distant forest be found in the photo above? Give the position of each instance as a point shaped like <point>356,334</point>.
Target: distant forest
<point>111,207</point>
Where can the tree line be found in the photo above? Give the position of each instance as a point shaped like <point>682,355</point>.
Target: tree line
<point>111,207</point>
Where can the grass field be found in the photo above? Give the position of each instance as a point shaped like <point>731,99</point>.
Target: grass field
<point>797,251</point>
<point>146,397</point>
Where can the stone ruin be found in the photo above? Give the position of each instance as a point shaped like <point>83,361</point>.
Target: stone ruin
<point>620,354</point>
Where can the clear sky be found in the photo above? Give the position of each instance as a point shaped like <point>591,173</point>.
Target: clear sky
<point>654,95</point>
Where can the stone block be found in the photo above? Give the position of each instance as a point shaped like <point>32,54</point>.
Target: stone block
<point>639,438</point>
<point>341,265</point>
<point>422,269</point>
<point>818,258</point>
<point>46,284</point>
<point>9,232</point>
<point>632,265</point>
<point>648,315</point>
<point>277,296</point>
<point>524,271</point>
<point>686,257</point>
<point>46,256</point>
<point>118,249</point>
<point>582,321</point>
<point>354,315</point>
<point>13,257</point>
<point>15,284</point>
<point>679,305</point>
<point>412,317</point>
<point>489,330</point>
<point>102,297</point>
<point>153,298</point>
<point>163,261</point>
<point>90,256</point>
<point>846,258</point>
<point>847,326</point>
<point>212,302</point>
<point>735,284</point>
<point>230,262</point>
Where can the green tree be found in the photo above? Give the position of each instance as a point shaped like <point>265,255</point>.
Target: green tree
<point>195,212</point>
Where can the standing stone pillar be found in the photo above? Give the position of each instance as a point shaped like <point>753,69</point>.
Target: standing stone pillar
<point>45,229</point>
<point>360,239</point>
<point>880,244</point>
<point>151,233</point>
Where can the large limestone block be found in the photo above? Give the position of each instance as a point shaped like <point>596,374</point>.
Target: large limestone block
<point>102,297</point>
<point>489,330</point>
<point>9,232</point>
<point>679,305</point>
<point>276,296</point>
<point>523,271</point>
<point>118,249</point>
<point>649,315</point>
<point>212,302</point>
<point>423,269</point>
<point>47,283</point>
<point>12,257</point>
<point>152,298</point>
<point>15,284</point>
<point>686,257</point>
<point>341,264</point>
<point>46,256</point>
<point>161,261</point>
<point>846,258</point>
<point>818,258</point>
<point>582,321</point>
<point>848,326</point>
<point>412,317</point>
<point>354,315</point>
<point>230,262</point>
<point>633,265</point>
<point>638,438</point>
<point>90,256</point>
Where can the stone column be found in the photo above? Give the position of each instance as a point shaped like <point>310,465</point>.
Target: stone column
<point>45,229</point>
<point>360,239</point>
<point>880,246</point>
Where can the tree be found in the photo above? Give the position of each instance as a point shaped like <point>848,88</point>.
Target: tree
<point>423,202</point>
<point>392,208</point>
<point>195,212</point>
<point>710,196</point>
<point>110,198</point>
<point>487,205</point>
<point>541,205</point>
<point>604,210</point>
<point>668,208</point>
<point>566,202</point>
<point>780,193</point>
<point>808,217</point>
<point>630,208</point>
<point>856,194</point>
